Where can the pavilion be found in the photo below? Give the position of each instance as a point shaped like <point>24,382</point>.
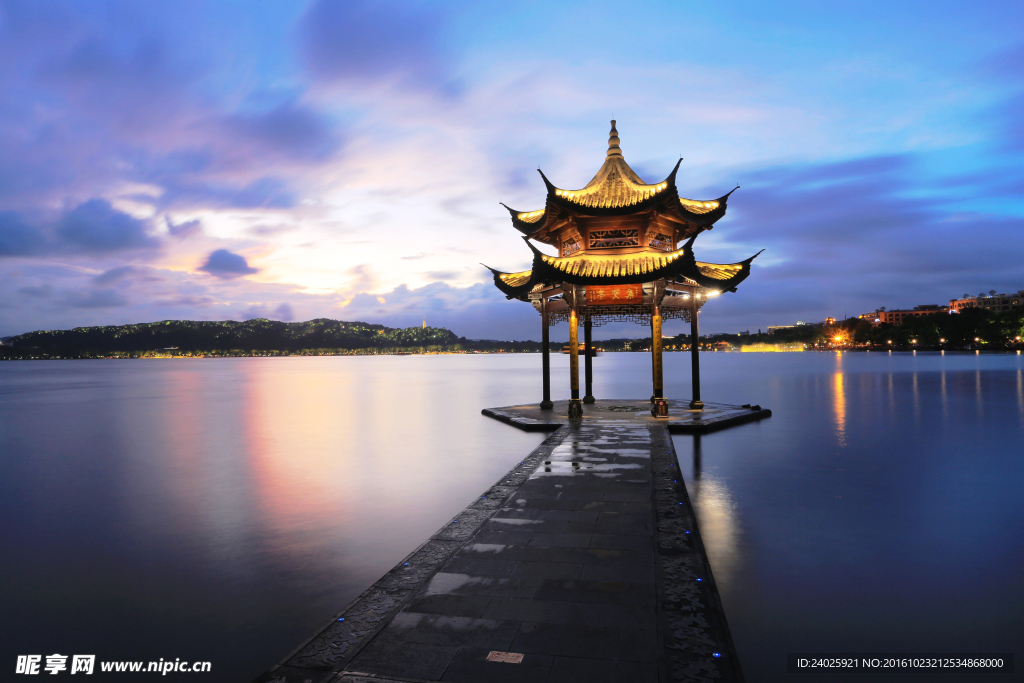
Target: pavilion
<point>625,253</point>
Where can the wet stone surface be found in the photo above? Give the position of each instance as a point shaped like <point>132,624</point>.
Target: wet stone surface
<point>681,419</point>
<point>581,559</point>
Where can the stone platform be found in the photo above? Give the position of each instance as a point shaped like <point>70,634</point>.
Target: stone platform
<point>681,420</point>
<point>583,563</point>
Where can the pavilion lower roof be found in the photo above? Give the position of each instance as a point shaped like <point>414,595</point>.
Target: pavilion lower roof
<point>630,268</point>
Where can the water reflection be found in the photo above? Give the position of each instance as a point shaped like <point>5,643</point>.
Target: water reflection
<point>944,395</point>
<point>977,394</point>
<point>1020,394</point>
<point>717,515</point>
<point>696,456</point>
<point>839,405</point>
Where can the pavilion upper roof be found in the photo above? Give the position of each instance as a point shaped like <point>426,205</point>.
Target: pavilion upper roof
<point>617,190</point>
<point>615,185</point>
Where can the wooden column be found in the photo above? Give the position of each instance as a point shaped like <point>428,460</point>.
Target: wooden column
<point>696,403</point>
<point>660,407</point>
<point>545,335</point>
<point>575,406</point>
<point>588,368</point>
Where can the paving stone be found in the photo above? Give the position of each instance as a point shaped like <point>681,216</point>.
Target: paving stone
<point>547,570</point>
<point>471,666</point>
<point>435,629</point>
<point>293,674</point>
<point>613,616</point>
<point>503,536</point>
<point>609,506</point>
<point>468,584</point>
<point>621,542</point>
<point>479,567</point>
<point>614,592</point>
<point>547,503</point>
<point>451,605</point>
<point>518,609</point>
<point>384,655</point>
<point>545,540</point>
<point>584,555</point>
<point>632,573</point>
<point>548,514</point>
<point>571,640</point>
<point>576,670</point>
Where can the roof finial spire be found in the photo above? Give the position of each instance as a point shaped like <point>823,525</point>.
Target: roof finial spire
<point>613,142</point>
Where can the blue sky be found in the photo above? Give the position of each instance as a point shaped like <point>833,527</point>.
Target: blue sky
<point>346,159</point>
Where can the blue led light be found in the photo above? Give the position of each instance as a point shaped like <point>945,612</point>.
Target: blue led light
<point>687,532</point>
<point>406,564</point>
<point>341,618</point>
<point>700,579</point>
<point>717,654</point>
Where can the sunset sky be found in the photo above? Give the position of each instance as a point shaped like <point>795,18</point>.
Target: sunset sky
<point>296,160</point>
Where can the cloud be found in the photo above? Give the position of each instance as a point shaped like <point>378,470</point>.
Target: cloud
<point>184,230</point>
<point>223,264</point>
<point>42,291</point>
<point>16,237</point>
<point>112,275</point>
<point>852,236</point>
<point>96,227</point>
<point>268,192</point>
<point>367,42</point>
<point>97,298</point>
<point>286,132</point>
<point>282,312</point>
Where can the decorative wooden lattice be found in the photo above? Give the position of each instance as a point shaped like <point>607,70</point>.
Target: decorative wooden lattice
<point>661,241</point>
<point>610,239</point>
<point>628,313</point>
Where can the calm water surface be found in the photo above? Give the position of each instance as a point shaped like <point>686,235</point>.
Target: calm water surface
<point>224,509</point>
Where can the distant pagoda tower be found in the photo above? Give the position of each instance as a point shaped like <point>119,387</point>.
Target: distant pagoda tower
<point>625,252</point>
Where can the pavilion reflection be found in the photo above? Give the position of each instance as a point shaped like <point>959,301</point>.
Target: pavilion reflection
<point>696,456</point>
<point>717,519</point>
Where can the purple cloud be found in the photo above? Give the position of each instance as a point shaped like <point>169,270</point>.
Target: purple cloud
<point>17,238</point>
<point>224,264</point>
<point>96,227</point>
<point>184,230</point>
<point>97,298</point>
<point>368,42</point>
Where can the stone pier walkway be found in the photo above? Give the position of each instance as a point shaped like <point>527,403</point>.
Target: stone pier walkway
<point>582,564</point>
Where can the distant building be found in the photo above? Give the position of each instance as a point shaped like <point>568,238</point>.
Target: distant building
<point>772,328</point>
<point>996,303</point>
<point>897,317</point>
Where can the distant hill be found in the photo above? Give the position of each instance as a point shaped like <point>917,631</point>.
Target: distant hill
<point>258,336</point>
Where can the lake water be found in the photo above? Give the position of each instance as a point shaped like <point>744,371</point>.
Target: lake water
<point>224,509</point>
